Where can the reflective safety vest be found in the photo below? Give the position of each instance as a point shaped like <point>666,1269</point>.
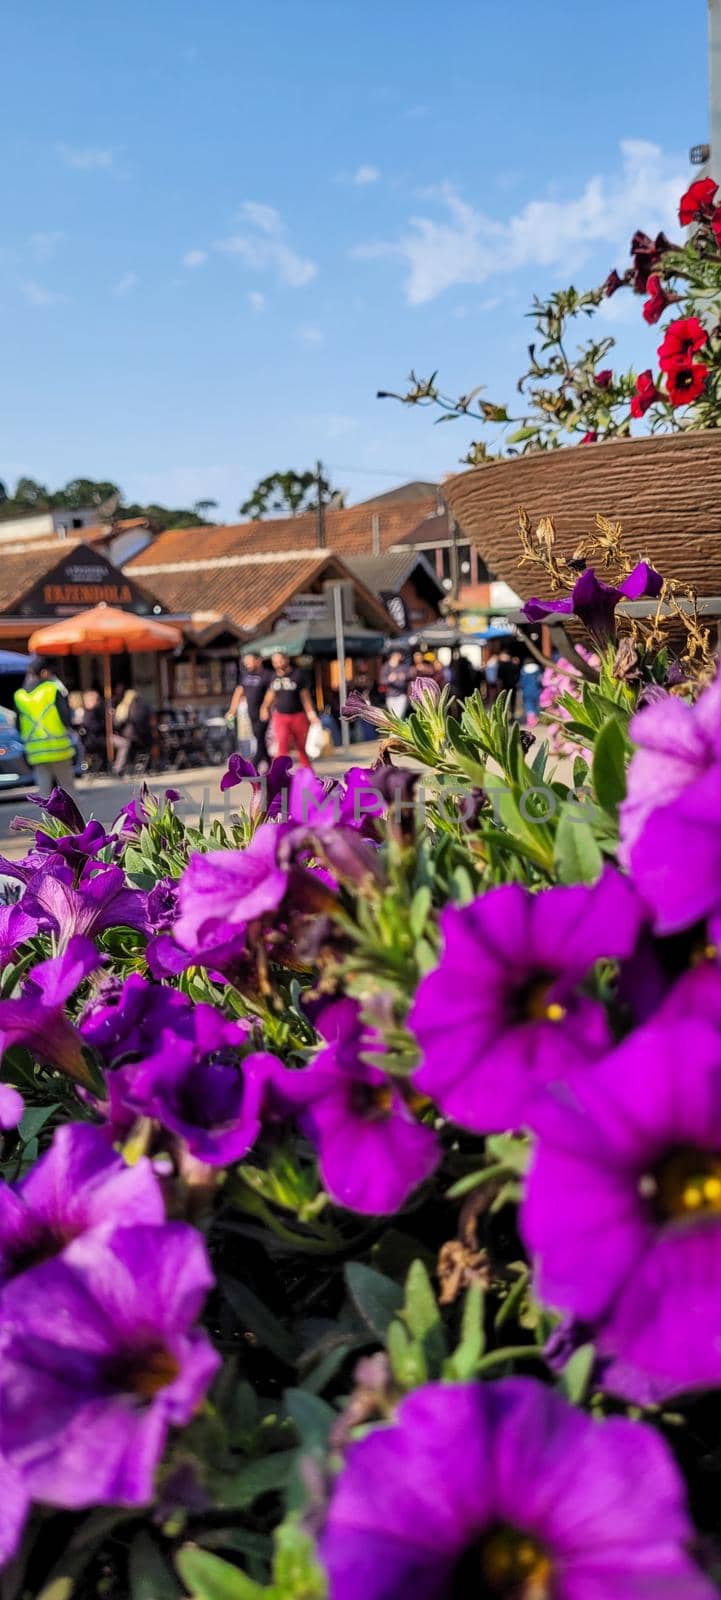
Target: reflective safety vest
<point>44,734</point>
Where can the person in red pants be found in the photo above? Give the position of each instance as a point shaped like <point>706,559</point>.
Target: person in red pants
<point>289,702</point>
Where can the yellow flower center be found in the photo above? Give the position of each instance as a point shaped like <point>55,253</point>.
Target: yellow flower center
<point>685,1184</point>
<point>146,1373</point>
<point>505,1565</point>
<point>538,1006</point>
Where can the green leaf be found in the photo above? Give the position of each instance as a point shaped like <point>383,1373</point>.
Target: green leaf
<point>577,1373</point>
<point>609,765</point>
<point>419,909</point>
<point>513,1152</point>
<point>297,1572</point>
<point>264,1476</point>
<point>149,1573</point>
<point>34,1119</point>
<point>378,1299</point>
<point>464,1361</point>
<point>422,1316</point>
<point>256,1317</point>
<point>313,1417</point>
<point>207,1577</point>
<point>408,1362</point>
<point>577,855</point>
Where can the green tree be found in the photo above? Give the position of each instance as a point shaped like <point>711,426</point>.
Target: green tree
<point>80,493</point>
<point>30,495</point>
<point>287,494</point>
<point>201,506</point>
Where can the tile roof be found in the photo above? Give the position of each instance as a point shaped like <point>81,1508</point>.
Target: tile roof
<point>20,569</point>
<point>350,532</point>
<point>388,572</point>
<point>250,592</point>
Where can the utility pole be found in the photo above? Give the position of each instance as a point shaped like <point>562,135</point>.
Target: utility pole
<point>320,508</point>
<point>340,657</point>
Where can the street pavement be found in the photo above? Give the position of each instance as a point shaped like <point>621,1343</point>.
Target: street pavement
<point>199,790</point>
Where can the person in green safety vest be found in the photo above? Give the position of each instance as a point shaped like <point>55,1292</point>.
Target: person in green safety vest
<point>44,725</point>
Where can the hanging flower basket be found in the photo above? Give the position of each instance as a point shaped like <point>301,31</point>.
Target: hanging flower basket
<point>666,491</point>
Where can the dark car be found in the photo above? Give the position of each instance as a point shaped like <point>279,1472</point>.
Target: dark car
<point>14,770</point>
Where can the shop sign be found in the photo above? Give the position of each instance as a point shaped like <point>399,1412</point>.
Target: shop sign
<point>81,579</point>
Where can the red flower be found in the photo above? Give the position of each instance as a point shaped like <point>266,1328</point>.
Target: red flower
<point>682,340</point>
<point>646,393</point>
<point>686,383</point>
<point>603,379</point>
<point>646,255</point>
<point>658,299</point>
<point>697,201</point>
<point>590,437</point>
<point>716,226</point>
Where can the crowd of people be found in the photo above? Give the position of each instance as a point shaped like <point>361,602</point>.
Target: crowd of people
<point>272,707</point>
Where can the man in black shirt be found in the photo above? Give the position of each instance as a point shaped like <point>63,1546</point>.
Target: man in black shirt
<point>251,690</point>
<point>289,699</point>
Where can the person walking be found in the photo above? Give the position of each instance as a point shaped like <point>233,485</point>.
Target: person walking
<point>45,727</point>
<point>394,683</point>
<point>250,692</point>
<point>133,730</point>
<point>288,701</point>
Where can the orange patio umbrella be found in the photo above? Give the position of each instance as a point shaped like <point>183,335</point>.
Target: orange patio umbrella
<point>104,631</point>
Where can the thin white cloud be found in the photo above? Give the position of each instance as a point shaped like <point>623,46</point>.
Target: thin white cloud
<point>37,295</point>
<point>366,174</point>
<point>195,258</point>
<point>469,246</point>
<point>263,246</point>
<point>309,334</point>
<point>44,245</point>
<point>126,284</point>
<point>85,158</point>
<point>256,300</point>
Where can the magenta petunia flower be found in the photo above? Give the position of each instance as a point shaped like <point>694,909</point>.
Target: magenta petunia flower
<point>623,1207</point>
<point>676,743</point>
<point>11,1107</point>
<point>97,900</point>
<point>37,1016</point>
<point>504,1490</point>
<point>124,1020</point>
<point>16,927</point>
<point>594,602</point>
<point>79,1184</point>
<point>100,1356</point>
<point>201,1087</point>
<point>503,1013</point>
<point>372,1151</point>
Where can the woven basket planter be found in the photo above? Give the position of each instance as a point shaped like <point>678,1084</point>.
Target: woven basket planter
<point>665,491</point>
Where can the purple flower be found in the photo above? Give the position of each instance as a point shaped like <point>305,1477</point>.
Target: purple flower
<point>100,1357</point>
<point>424,691</point>
<point>78,1185</point>
<point>61,806</point>
<point>124,1020</point>
<point>372,1152</point>
<point>162,904</point>
<point>505,1490</point>
<point>269,788</point>
<point>15,1502</point>
<point>356,705</point>
<point>15,928</point>
<point>502,1015</point>
<point>98,900</point>
<point>594,602</point>
<point>200,1089</point>
<point>222,891</point>
<point>36,1018</point>
<point>75,848</point>
<point>623,1207</point>
<point>11,1107</point>
<point>676,743</point>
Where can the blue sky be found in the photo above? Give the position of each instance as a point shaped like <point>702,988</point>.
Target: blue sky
<point>226,225</point>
